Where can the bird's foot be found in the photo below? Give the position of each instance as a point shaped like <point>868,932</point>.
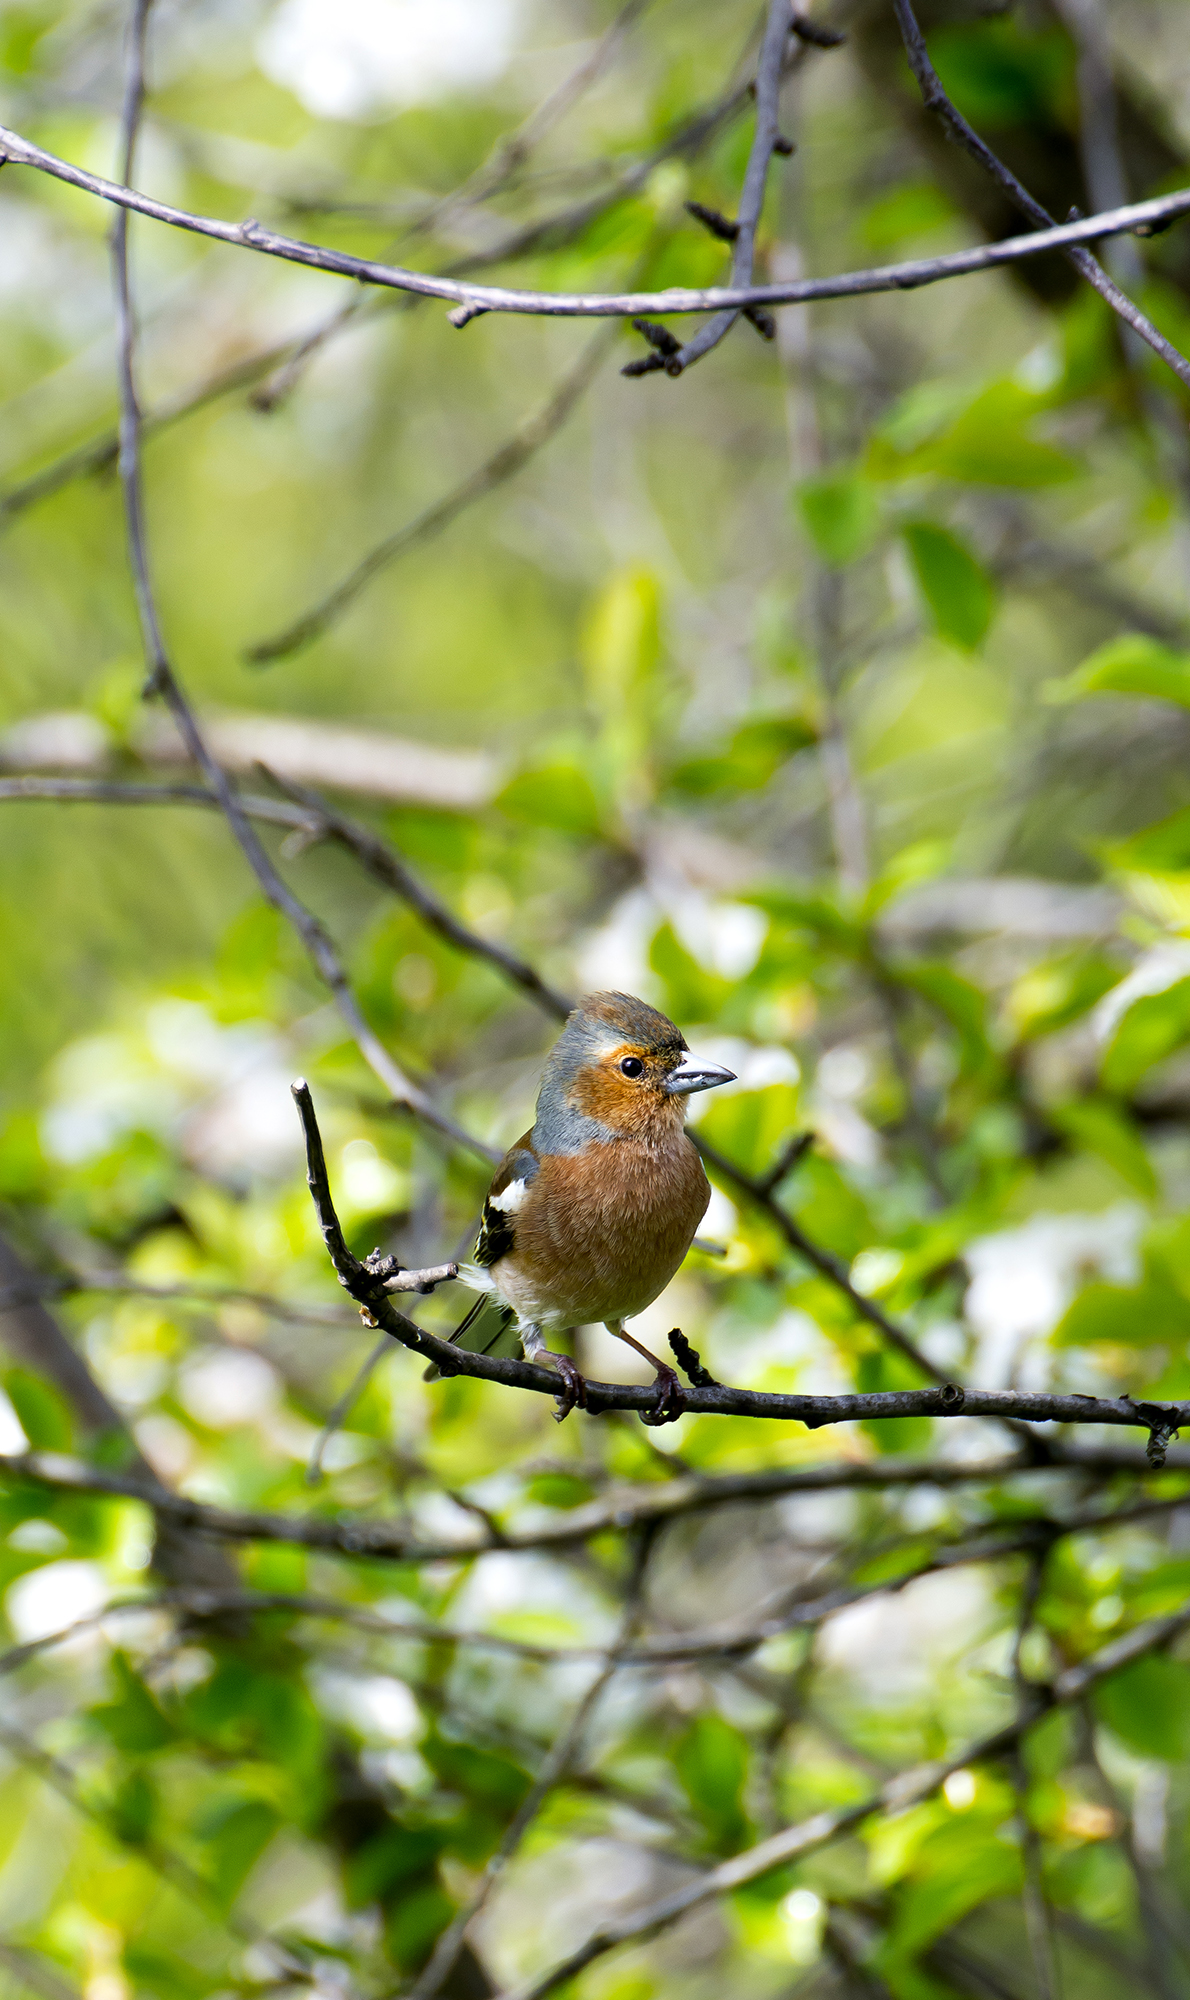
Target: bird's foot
<point>574,1386</point>
<point>670,1403</point>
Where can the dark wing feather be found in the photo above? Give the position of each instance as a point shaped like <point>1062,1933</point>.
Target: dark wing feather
<point>497,1230</point>
<point>483,1331</point>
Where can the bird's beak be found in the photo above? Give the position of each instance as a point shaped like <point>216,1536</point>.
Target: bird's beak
<point>692,1076</point>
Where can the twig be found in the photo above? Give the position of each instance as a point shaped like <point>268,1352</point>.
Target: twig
<point>822,1261</point>
<point>1088,266</point>
<point>947,1400</point>
<point>445,1954</point>
<point>387,1542</point>
<point>289,357</point>
<point>906,276</point>
<point>1039,1922</point>
<point>760,159</point>
<point>171,1867</point>
<point>906,1789</point>
<point>163,681</point>
<point>493,473</point>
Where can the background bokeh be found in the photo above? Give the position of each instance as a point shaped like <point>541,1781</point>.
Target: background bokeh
<point>834,697</point>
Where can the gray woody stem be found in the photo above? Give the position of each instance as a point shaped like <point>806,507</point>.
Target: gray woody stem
<point>813,1411</point>
<point>768,94</point>
<point>1084,262</point>
<point>908,276</point>
<point>908,1788</point>
<point>387,1541</point>
<point>163,681</point>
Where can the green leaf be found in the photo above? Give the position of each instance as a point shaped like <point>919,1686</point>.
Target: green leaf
<point>132,1722</point>
<point>1101,1126</point>
<point>842,513</point>
<point>43,1413</point>
<point>133,1807</point>
<point>753,756</point>
<point>479,1774</point>
<point>977,1867</point>
<point>963,1004</point>
<point>1001,75</point>
<point>923,861</point>
<point>1151,1029</point>
<point>988,443</point>
<point>1145,1315</point>
<point>558,1489</point>
<point>711,1760</point>
<point>1160,849</point>
<point>1148,1707</point>
<point>752,1126</point>
<point>955,586</point>
<point>1133,665</point>
<point>622,642</point>
<point>414,1923</point>
<point>394,1859</point>
<point>558,795</point>
<point>1058,991</point>
<point>237,1834</point>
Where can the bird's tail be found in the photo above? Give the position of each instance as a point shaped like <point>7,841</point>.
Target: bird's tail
<point>480,1331</point>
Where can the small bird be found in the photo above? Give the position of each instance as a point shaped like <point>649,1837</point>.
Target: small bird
<point>592,1211</point>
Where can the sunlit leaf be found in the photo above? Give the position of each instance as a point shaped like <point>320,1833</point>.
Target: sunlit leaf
<point>1148,1706</point>
<point>1133,665</point>
<point>955,585</point>
<point>842,513</point>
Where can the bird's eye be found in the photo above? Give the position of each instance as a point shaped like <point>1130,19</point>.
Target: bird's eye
<point>632,1066</point>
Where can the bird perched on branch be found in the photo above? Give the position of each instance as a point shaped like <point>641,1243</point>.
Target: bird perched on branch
<point>592,1211</point>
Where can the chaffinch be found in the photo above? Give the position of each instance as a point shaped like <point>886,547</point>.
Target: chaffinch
<point>592,1211</point>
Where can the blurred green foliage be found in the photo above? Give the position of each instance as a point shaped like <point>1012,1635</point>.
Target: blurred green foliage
<point>835,698</point>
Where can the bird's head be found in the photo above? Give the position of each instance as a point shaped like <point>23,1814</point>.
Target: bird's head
<point>619,1066</point>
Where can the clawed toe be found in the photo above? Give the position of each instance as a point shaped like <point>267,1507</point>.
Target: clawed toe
<point>573,1390</point>
<point>670,1404</point>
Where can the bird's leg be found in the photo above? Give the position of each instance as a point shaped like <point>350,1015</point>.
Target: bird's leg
<point>670,1400</point>
<point>574,1385</point>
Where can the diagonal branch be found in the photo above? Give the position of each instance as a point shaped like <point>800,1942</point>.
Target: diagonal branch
<point>163,681</point>
<point>552,232</point>
<point>445,1954</point>
<point>503,465</point>
<point>906,1789</point>
<point>1088,266</point>
<point>767,133</point>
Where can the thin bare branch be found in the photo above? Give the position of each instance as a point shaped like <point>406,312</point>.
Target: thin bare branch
<point>760,158</point>
<point>629,1508</point>
<point>162,680</point>
<point>288,358</point>
<point>947,1400</point>
<point>906,1789</point>
<point>445,1955</point>
<point>502,466</point>
<point>907,276</point>
<point>1087,265</point>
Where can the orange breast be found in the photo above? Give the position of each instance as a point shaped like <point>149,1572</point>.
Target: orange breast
<point>602,1233</point>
